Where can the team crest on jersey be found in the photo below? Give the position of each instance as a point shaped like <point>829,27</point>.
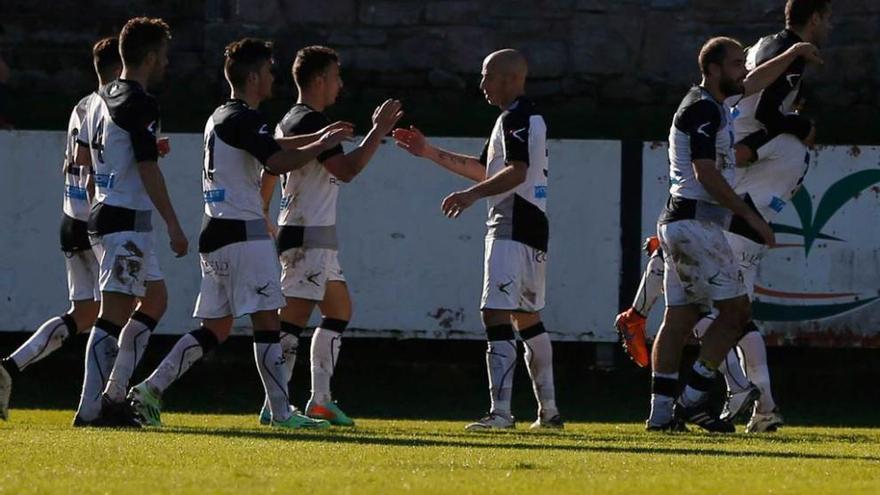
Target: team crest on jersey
<point>519,134</point>
<point>153,127</point>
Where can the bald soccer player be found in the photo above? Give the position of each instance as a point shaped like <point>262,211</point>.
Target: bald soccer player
<point>511,174</point>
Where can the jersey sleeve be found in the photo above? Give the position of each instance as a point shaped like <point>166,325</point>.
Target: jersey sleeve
<point>83,136</point>
<point>515,128</point>
<point>311,123</point>
<point>770,102</point>
<point>252,134</point>
<point>701,122</point>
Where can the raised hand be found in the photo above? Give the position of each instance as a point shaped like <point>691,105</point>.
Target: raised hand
<point>386,115</point>
<point>411,140</point>
<point>339,124</point>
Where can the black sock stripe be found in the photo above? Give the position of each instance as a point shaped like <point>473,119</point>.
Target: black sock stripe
<point>509,370</point>
<point>699,382</point>
<point>668,387</point>
<point>728,364</point>
<point>292,329</point>
<point>500,332</point>
<point>182,357</point>
<point>266,337</point>
<point>108,327</point>
<point>45,345</point>
<point>333,324</point>
<point>145,319</point>
<point>533,331</point>
<point>205,338</point>
<point>72,328</point>
<point>11,367</point>
<point>137,357</point>
<point>98,363</point>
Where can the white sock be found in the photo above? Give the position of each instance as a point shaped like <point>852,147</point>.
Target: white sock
<point>664,388</point>
<point>731,369</point>
<point>132,343</point>
<point>289,346</point>
<point>270,365</point>
<point>187,351</point>
<point>101,352</point>
<point>651,285</point>
<point>754,354</point>
<point>733,373</point>
<point>324,353</point>
<point>501,363</point>
<point>46,340</point>
<point>698,385</point>
<point>539,362</point>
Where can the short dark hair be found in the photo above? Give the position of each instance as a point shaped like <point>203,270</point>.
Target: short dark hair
<point>105,54</point>
<point>244,57</point>
<point>140,36</point>
<point>714,51</point>
<point>799,12</point>
<point>312,61</point>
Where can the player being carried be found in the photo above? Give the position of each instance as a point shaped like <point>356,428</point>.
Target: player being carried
<point>700,270</point>
<point>772,160</point>
<point>512,175</point>
<point>79,258</point>
<point>306,240</point>
<point>239,265</point>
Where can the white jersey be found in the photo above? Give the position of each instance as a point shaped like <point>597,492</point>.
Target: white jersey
<point>76,179</point>
<point>122,123</point>
<point>701,129</point>
<point>766,114</point>
<point>520,134</point>
<point>308,194</point>
<point>237,145</point>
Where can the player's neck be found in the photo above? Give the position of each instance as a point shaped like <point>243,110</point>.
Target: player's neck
<point>506,102</point>
<point>314,101</point>
<point>802,33</point>
<point>714,89</point>
<point>252,100</point>
<point>139,76</point>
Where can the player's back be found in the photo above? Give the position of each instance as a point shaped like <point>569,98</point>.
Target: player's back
<point>122,122</point>
<point>231,168</point>
<point>76,178</point>
<point>309,194</point>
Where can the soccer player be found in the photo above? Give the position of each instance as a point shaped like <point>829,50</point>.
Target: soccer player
<point>240,269</point>
<point>700,270</point>
<point>512,175</point>
<point>79,259</point>
<point>770,169</point>
<point>122,122</point>
<point>306,240</point>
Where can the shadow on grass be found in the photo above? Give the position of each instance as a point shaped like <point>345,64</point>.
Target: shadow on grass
<point>356,438</point>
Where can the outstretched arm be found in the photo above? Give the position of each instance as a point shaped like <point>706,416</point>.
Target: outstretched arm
<point>413,141</point>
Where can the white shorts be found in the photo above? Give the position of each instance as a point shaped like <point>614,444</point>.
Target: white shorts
<point>699,267</point>
<point>83,272</point>
<point>748,254</point>
<point>514,276</point>
<point>306,271</point>
<point>128,261</point>
<point>239,279</point>
<point>776,175</point>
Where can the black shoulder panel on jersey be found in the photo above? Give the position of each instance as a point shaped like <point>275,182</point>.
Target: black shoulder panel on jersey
<point>136,111</point>
<point>699,117</point>
<point>515,128</point>
<point>302,119</point>
<point>242,127</point>
<point>768,109</point>
<point>484,155</point>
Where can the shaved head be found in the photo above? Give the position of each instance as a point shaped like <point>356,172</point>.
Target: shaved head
<point>504,77</point>
<point>507,62</point>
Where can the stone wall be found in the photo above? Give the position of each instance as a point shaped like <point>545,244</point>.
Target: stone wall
<point>595,55</point>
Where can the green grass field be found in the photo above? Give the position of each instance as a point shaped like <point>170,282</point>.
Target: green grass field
<point>40,453</point>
